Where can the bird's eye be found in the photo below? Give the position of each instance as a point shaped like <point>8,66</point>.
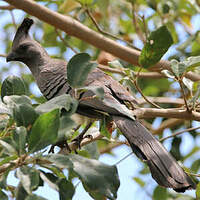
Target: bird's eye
<point>23,47</point>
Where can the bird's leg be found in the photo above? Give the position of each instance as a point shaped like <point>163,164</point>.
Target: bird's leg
<point>80,137</point>
<point>62,144</point>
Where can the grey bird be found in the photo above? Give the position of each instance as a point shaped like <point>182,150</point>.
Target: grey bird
<point>50,75</point>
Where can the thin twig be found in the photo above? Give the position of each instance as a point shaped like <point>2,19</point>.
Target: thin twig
<point>125,157</point>
<point>184,96</point>
<point>192,174</point>
<point>13,19</point>
<point>3,55</point>
<point>140,91</point>
<point>179,132</point>
<point>107,33</point>
<point>65,42</point>
<point>135,24</point>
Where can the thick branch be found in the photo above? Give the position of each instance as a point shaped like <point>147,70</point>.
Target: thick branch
<point>10,7</point>
<point>168,113</point>
<point>163,100</point>
<point>75,28</point>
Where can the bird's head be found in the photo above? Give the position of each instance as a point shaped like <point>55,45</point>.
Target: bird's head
<point>25,49</point>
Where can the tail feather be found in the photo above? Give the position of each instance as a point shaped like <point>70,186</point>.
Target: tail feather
<point>164,168</point>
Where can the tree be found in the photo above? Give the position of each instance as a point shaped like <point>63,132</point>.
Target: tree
<point>168,91</point>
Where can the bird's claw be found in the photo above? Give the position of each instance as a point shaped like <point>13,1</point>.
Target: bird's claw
<point>61,144</point>
<point>80,138</point>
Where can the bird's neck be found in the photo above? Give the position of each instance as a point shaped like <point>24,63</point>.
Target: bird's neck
<point>37,63</point>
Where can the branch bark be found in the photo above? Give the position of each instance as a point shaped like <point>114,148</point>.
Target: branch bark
<point>76,29</point>
<point>167,113</point>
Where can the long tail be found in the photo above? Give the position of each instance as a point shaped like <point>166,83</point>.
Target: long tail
<point>164,168</point>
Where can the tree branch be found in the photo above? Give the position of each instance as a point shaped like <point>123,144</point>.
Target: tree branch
<point>10,7</point>
<point>76,29</point>
<point>163,100</point>
<point>168,113</point>
<point>179,132</point>
<point>168,123</point>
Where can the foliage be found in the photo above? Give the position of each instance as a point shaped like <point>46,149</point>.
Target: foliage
<point>29,124</point>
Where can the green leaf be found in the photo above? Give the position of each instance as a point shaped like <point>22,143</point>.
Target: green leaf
<point>192,63</point>
<point>7,159</point>
<point>98,178</point>
<point>160,193</point>
<point>12,85</point>
<point>65,188</point>
<point>44,131</point>
<point>20,192</point>
<point>3,196</point>
<point>19,138</point>
<point>65,128</point>
<point>139,181</point>
<point>198,191</point>
<point>3,179</point>
<point>78,69</point>
<point>92,149</point>
<point>61,161</point>
<point>188,83</point>
<point>195,166</point>
<point>50,36</point>
<point>22,110</point>
<point>29,178</point>
<point>85,2</point>
<point>194,99</point>
<point>34,197</point>
<point>16,99</point>
<point>115,64</point>
<point>24,114</point>
<point>7,144</point>
<point>157,45</point>
<point>178,68</point>
<point>63,101</point>
<point>69,5</point>
<point>103,127</point>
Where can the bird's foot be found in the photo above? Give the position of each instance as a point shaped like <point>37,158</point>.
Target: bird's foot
<point>80,138</point>
<point>62,144</point>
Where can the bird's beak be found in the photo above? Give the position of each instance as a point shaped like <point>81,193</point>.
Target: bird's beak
<point>10,57</point>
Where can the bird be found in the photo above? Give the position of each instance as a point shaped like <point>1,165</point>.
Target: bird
<point>50,76</point>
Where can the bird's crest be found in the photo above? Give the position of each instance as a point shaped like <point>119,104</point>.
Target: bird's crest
<point>22,32</point>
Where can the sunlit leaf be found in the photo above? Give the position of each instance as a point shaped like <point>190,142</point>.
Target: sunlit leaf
<point>44,131</point>
<point>156,46</point>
